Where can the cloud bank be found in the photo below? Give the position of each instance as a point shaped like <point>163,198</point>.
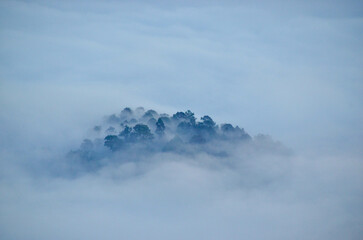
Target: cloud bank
<point>258,190</point>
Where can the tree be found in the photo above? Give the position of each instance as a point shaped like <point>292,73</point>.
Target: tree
<point>186,116</point>
<point>179,115</point>
<point>148,115</point>
<point>152,112</point>
<point>141,132</point>
<point>151,122</point>
<point>206,128</point>
<point>160,127</point>
<point>113,142</point>
<point>227,128</point>
<point>126,113</point>
<point>126,132</point>
<point>190,116</point>
<point>113,119</point>
<point>87,145</point>
<point>208,121</point>
<point>184,128</point>
<point>139,111</point>
<point>242,134</point>
<point>126,110</point>
<point>166,120</point>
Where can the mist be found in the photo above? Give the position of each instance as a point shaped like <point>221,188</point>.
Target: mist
<point>289,71</point>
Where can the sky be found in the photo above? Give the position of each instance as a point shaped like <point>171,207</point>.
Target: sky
<point>292,70</point>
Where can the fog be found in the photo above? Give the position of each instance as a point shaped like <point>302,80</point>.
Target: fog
<point>289,71</point>
<point>260,190</point>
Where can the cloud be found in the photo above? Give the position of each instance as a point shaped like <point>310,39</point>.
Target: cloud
<point>257,191</point>
<point>179,197</point>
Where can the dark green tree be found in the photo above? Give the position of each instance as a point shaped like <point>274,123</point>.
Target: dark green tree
<point>179,116</point>
<point>126,113</point>
<point>190,116</point>
<point>160,127</point>
<point>141,132</point>
<point>208,121</point>
<point>227,128</point>
<point>113,142</point>
<point>184,128</point>
<point>126,132</point>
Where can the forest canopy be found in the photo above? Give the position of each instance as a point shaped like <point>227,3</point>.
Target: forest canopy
<point>134,134</point>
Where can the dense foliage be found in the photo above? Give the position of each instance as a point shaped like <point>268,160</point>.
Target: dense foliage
<point>138,126</point>
<point>134,135</point>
